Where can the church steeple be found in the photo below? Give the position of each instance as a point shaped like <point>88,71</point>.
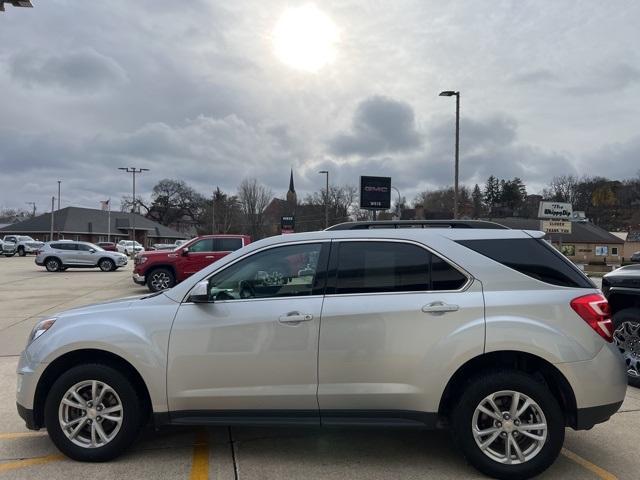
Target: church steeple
<point>292,198</point>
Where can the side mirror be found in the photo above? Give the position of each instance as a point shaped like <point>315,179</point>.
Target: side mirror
<point>92,250</point>
<point>200,293</point>
<point>185,251</point>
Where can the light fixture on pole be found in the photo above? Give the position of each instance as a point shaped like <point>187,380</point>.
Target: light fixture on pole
<point>16,3</point>
<point>133,170</point>
<point>451,93</point>
<point>326,199</point>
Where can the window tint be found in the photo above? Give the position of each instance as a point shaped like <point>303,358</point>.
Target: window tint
<point>83,248</point>
<point>204,245</point>
<point>228,244</point>
<point>444,276</point>
<point>367,267</point>
<point>64,246</point>
<point>278,272</point>
<point>532,257</point>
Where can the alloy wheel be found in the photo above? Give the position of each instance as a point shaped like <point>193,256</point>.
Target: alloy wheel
<point>627,338</point>
<point>160,281</point>
<point>509,427</point>
<point>90,414</point>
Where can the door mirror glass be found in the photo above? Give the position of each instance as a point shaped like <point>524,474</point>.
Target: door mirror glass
<point>200,293</point>
<point>185,251</point>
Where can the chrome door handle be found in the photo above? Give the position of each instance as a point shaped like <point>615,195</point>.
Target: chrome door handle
<point>439,307</point>
<point>209,256</point>
<point>295,318</point>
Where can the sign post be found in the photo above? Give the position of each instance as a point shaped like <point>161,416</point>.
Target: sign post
<point>375,193</point>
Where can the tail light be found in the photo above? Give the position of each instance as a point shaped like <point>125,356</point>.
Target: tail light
<point>594,309</point>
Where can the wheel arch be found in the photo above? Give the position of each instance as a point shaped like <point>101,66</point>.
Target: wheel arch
<point>49,257</point>
<point>520,361</point>
<point>624,300</point>
<point>78,357</point>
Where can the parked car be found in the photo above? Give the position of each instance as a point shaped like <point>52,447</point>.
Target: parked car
<point>129,246</point>
<point>490,332</point>
<point>159,270</point>
<point>60,255</point>
<point>108,246</point>
<point>168,246</point>
<point>622,289</point>
<point>635,257</point>
<point>20,244</point>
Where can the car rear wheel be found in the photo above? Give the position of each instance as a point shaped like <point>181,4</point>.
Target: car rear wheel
<point>627,338</point>
<point>53,265</point>
<point>160,279</point>
<point>93,413</point>
<point>508,425</point>
<point>106,265</point>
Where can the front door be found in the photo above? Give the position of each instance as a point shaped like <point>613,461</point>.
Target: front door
<point>255,346</point>
<point>199,255</point>
<point>395,319</point>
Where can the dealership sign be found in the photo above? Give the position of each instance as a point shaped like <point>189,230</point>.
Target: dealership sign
<point>559,210</point>
<point>375,193</point>
<point>555,226</point>
<point>287,224</point>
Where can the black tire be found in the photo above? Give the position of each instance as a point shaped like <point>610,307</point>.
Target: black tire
<point>52,264</point>
<point>21,252</point>
<point>132,413</point>
<point>626,336</point>
<point>106,265</point>
<point>508,380</point>
<point>160,279</point>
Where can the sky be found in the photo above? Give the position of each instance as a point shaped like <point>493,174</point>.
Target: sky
<point>211,92</point>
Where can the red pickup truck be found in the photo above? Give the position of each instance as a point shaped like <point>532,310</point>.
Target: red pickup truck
<point>163,269</point>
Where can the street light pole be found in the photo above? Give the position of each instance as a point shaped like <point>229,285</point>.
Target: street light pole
<point>133,170</point>
<point>450,93</point>
<point>213,213</point>
<point>59,182</point>
<point>399,200</point>
<point>326,199</point>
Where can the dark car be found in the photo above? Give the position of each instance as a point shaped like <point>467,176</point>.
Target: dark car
<point>108,246</point>
<point>622,289</point>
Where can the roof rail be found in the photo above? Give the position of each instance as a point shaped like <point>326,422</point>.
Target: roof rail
<point>417,224</point>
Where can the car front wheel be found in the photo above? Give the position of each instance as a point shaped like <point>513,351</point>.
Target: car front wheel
<point>627,338</point>
<point>21,252</point>
<point>160,279</point>
<point>508,425</point>
<point>93,413</point>
<point>107,265</point>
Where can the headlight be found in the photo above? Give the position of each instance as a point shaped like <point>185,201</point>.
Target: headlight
<point>41,327</point>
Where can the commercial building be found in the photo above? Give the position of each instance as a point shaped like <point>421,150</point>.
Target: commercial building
<point>93,225</point>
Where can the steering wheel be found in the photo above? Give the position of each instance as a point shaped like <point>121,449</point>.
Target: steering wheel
<point>246,290</point>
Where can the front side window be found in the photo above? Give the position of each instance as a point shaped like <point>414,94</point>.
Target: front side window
<point>278,272</point>
<point>204,245</point>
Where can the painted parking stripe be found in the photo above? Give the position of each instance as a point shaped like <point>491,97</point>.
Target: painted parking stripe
<point>13,436</point>
<point>599,471</point>
<point>29,462</point>
<point>200,464</point>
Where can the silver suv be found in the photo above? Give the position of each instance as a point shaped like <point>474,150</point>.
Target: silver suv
<point>491,333</point>
<point>60,255</point>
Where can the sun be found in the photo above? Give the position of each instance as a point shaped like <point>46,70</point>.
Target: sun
<point>304,38</point>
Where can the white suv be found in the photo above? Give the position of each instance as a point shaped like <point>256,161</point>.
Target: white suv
<point>129,247</point>
<point>490,332</point>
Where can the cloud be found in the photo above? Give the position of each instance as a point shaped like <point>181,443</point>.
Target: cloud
<point>80,71</point>
<point>607,79</point>
<point>380,125</point>
<point>535,76</point>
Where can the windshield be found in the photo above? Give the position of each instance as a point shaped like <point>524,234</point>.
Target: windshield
<point>95,247</point>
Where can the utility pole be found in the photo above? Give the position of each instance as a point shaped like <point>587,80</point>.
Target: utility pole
<point>133,170</point>
<point>451,93</point>
<point>33,204</point>
<point>53,205</point>
<point>326,199</point>
<point>213,213</point>
<point>59,182</point>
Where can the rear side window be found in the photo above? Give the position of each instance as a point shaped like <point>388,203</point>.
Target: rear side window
<point>64,246</point>
<point>532,257</point>
<point>227,244</point>
<point>369,267</point>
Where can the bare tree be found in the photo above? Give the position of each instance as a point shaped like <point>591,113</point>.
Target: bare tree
<point>254,198</point>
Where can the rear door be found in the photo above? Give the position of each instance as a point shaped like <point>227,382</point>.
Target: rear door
<point>397,320</point>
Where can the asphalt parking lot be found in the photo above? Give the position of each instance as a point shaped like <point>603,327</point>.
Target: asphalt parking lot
<point>28,292</point>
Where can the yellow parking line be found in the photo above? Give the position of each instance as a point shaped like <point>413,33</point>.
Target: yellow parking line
<point>12,436</point>
<point>600,472</point>
<point>28,462</point>
<point>200,465</point>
